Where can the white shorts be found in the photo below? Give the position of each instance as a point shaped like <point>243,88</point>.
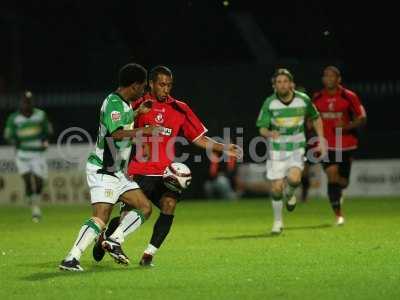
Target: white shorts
<point>277,169</point>
<point>107,188</point>
<point>35,164</point>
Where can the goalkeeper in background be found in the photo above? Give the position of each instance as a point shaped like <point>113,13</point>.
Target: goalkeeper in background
<point>29,129</point>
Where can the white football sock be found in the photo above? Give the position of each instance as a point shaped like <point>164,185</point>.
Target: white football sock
<point>151,250</point>
<point>87,234</point>
<point>277,207</point>
<point>129,223</point>
<point>35,205</point>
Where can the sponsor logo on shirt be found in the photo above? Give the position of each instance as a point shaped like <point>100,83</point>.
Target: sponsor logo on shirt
<point>166,131</point>
<point>331,115</point>
<point>115,116</point>
<point>159,118</point>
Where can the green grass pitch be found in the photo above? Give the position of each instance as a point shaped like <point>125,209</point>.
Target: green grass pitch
<point>216,250</point>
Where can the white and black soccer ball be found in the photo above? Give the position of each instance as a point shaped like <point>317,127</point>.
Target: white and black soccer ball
<point>177,176</point>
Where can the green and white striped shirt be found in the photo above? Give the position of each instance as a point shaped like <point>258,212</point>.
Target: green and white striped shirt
<point>111,155</point>
<point>28,133</point>
<point>289,120</point>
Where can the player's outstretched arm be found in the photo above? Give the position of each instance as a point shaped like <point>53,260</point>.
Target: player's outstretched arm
<point>206,142</point>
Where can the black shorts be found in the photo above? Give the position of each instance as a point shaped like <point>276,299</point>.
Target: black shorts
<point>344,165</point>
<point>154,189</point>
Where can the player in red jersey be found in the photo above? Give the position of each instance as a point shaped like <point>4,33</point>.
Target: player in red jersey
<point>342,113</point>
<point>150,161</point>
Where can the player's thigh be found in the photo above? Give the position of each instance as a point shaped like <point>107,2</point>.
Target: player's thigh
<point>102,211</point>
<point>294,175</point>
<point>332,172</point>
<point>103,188</point>
<point>295,166</point>
<point>39,167</point>
<point>168,203</point>
<point>276,169</point>
<point>23,166</point>
<point>137,199</point>
<point>277,186</point>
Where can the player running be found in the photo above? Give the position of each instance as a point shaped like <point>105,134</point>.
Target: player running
<point>281,121</point>
<point>106,179</point>
<point>28,129</point>
<point>342,113</point>
<point>175,116</point>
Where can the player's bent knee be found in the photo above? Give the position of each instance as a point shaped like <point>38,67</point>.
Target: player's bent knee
<point>332,174</point>
<point>102,212</point>
<point>99,222</point>
<point>168,207</point>
<point>146,210</point>
<point>276,190</point>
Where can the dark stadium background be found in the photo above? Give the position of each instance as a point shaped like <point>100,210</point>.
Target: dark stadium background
<point>72,47</point>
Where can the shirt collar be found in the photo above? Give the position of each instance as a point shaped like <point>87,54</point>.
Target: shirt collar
<point>338,91</point>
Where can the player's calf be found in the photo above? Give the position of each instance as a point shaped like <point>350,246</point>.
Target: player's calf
<point>98,251</point>
<point>292,183</point>
<point>87,234</point>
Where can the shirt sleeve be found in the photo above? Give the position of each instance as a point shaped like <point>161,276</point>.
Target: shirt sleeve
<point>264,117</point>
<point>113,116</point>
<point>356,106</point>
<point>312,111</point>
<point>135,104</point>
<point>192,127</point>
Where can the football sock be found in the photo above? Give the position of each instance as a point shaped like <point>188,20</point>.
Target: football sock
<point>35,205</point>
<point>277,205</point>
<point>114,223</point>
<point>306,186</point>
<point>129,223</point>
<point>335,193</point>
<point>161,230</point>
<point>151,250</point>
<point>87,234</point>
<point>289,190</point>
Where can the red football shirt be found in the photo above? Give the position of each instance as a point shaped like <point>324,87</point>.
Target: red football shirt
<point>152,157</point>
<point>335,108</point>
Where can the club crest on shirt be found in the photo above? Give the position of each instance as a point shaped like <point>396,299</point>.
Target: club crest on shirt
<point>331,106</point>
<point>115,116</point>
<point>159,118</point>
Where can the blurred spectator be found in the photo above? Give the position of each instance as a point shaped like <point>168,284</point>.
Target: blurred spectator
<point>222,178</point>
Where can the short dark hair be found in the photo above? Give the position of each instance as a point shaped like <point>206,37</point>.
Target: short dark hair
<point>334,70</point>
<point>284,72</point>
<point>159,70</point>
<point>130,74</point>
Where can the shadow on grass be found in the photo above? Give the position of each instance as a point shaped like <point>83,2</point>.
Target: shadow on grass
<point>270,235</point>
<point>56,273</point>
<point>246,236</point>
<point>321,226</point>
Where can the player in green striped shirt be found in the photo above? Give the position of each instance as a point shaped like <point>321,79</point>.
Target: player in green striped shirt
<point>28,129</point>
<point>281,121</point>
<point>106,178</point>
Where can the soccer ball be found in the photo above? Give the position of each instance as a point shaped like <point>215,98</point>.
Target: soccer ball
<point>177,177</point>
